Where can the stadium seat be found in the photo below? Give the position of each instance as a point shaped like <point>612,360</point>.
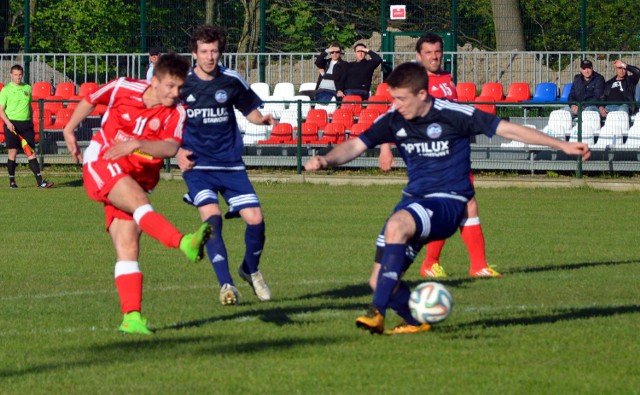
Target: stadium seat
<point>489,108</point>
<point>379,103</point>
<point>590,127</point>
<point>559,125</point>
<point>254,133</point>
<point>290,117</point>
<point>75,100</point>
<point>40,90</point>
<point>328,107</point>
<point>1,86</point>
<point>261,89</point>
<point>493,90</point>
<point>53,103</point>
<point>2,139</point>
<point>99,110</point>
<point>305,105</point>
<point>383,90</point>
<point>274,105</point>
<point>46,117</point>
<point>62,118</point>
<point>334,133</point>
<point>343,116</point>
<point>352,103</point>
<point>318,116</point>
<point>87,88</point>
<point>466,91</point>
<point>615,126</point>
<point>566,89</point>
<point>368,115</point>
<point>545,92</point>
<point>633,136</point>
<point>358,128</point>
<point>306,87</point>
<point>284,90</point>
<point>518,92</point>
<point>309,133</point>
<point>281,133</point>
<point>65,89</point>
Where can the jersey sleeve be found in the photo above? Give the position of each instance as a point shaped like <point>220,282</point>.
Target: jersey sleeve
<point>482,123</point>
<point>3,98</point>
<point>102,95</point>
<point>174,125</point>
<point>247,100</point>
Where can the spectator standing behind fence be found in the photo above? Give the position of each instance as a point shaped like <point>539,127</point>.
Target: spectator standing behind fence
<point>211,159</point>
<point>332,74</point>
<point>154,53</point>
<point>359,73</point>
<point>588,86</point>
<point>15,111</point>
<point>620,88</point>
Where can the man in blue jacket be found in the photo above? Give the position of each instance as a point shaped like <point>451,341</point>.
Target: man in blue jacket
<point>587,86</point>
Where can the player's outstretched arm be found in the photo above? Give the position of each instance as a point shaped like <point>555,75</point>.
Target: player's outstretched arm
<point>342,153</point>
<point>81,112</point>
<point>156,148</point>
<point>513,131</point>
<point>257,118</point>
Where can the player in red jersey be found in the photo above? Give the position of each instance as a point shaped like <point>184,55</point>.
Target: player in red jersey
<point>141,127</point>
<point>429,52</point>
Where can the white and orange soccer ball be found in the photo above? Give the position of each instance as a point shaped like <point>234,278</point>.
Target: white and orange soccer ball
<point>430,303</point>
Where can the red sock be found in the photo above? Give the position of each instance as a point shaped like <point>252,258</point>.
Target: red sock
<point>129,286</point>
<point>474,239</point>
<point>434,248</point>
<point>157,226</point>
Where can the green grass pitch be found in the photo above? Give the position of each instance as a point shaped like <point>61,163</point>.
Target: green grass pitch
<point>564,319</point>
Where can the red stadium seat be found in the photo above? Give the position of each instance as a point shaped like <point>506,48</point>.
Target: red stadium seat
<point>40,90</point>
<point>490,108</point>
<point>493,90</point>
<point>62,118</point>
<point>87,88</point>
<point>309,133</point>
<point>358,128</point>
<point>65,89</point>
<point>334,133</point>
<point>466,91</point>
<point>47,119</point>
<point>383,90</point>
<point>368,115</point>
<point>355,106</point>
<point>53,105</point>
<point>380,103</point>
<point>342,116</point>
<point>518,92</point>
<point>281,133</point>
<point>76,99</point>
<point>318,116</point>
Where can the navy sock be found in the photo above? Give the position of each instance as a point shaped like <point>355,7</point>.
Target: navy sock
<point>217,251</point>
<point>399,302</point>
<point>391,267</point>
<point>254,239</point>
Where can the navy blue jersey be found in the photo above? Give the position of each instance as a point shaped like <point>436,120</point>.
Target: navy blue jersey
<point>436,148</point>
<point>211,129</point>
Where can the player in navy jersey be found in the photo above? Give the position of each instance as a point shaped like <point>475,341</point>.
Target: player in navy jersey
<point>211,158</point>
<point>433,138</point>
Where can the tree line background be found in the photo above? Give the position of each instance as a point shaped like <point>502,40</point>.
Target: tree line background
<point>114,26</point>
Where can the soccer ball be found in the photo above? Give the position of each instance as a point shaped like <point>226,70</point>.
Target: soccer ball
<point>430,303</point>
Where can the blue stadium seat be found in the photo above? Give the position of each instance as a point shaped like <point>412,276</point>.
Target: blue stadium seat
<point>545,92</point>
<point>566,89</point>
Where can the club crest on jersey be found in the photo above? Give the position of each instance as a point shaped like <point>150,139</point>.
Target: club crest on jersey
<point>434,131</point>
<point>154,124</point>
<point>221,96</point>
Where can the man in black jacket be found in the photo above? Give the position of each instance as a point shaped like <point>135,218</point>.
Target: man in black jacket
<point>587,86</point>
<point>620,88</point>
<point>360,72</point>
<point>332,74</point>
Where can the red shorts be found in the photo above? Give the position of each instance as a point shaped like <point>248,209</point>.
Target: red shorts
<point>100,177</point>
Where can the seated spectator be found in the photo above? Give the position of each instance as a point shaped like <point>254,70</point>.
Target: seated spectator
<point>620,88</point>
<point>588,86</point>
<point>359,73</point>
<point>332,74</point>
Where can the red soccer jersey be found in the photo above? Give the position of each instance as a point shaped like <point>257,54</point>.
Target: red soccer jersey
<point>128,118</point>
<point>442,86</point>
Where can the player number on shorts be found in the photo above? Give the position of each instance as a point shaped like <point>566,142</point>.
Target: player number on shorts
<point>114,169</point>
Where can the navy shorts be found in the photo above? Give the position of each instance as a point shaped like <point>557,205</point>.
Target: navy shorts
<point>234,185</point>
<point>436,218</point>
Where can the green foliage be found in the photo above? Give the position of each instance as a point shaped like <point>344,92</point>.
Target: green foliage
<point>293,21</point>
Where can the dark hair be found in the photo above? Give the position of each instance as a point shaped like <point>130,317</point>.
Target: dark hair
<point>172,64</point>
<point>430,38</point>
<point>208,34</point>
<point>335,44</point>
<point>359,45</point>
<point>410,75</point>
<point>17,67</point>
